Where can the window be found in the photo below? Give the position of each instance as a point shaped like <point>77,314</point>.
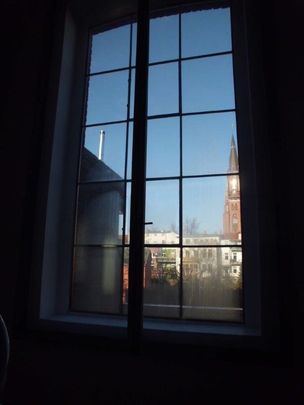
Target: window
<point>191,113</point>
<point>196,132</point>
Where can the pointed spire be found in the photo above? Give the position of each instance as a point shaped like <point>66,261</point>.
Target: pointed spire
<point>233,158</point>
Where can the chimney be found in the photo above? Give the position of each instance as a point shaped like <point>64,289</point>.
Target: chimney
<point>101,144</point>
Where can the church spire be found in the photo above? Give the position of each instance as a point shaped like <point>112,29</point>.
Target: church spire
<point>233,158</point>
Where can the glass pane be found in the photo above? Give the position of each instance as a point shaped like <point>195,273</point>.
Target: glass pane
<point>206,31</point>
<point>134,43</point>
<point>163,158</point>
<point>162,211</point>
<point>209,143</point>
<point>161,282</point>
<point>130,146</point>
<point>110,49</point>
<point>103,156</point>
<point>207,84</point>
<point>163,89</point>
<point>99,211</point>
<point>212,284</point>
<point>211,209</point>
<point>107,97</point>
<point>96,285</point>
<point>128,210</point>
<point>132,92</point>
<point>125,285</point>
<point>163,38</point>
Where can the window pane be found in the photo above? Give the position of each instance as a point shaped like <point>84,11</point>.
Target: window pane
<point>98,216</point>
<point>96,285</point>
<point>163,148</point>
<point>163,89</point>
<point>209,141</point>
<point>130,144</point>
<point>203,206</point>
<point>207,84</point>
<point>134,43</point>
<point>162,209</point>
<point>110,49</point>
<point>104,157</point>
<point>212,284</point>
<point>161,282</point>
<point>206,31</point>
<point>128,202</point>
<point>125,285</point>
<point>163,38</point>
<point>212,211</point>
<point>132,92</point>
<point>107,97</point>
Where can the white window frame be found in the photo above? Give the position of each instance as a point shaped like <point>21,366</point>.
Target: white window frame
<point>49,303</point>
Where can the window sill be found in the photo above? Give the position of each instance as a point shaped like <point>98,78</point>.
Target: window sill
<point>155,330</point>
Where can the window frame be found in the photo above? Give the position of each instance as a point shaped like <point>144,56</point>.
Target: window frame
<point>48,307</point>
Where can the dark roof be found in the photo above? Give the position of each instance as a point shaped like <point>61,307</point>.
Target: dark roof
<point>93,169</point>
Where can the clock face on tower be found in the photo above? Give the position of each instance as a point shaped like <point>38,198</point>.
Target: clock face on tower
<point>233,185</point>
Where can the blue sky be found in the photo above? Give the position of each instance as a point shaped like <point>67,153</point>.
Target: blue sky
<point>207,85</point>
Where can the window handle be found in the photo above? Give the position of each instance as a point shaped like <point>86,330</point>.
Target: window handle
<point>148,223</point>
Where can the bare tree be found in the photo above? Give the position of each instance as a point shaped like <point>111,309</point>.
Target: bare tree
<point>191,226</point>
<point>173,227</point>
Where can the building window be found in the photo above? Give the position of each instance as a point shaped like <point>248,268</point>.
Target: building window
<point>192,180</point>
<point>191,113</point>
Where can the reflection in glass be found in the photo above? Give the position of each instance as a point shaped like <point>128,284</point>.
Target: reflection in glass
<point>98,213</point>
<point>110,49</point>
<point>125,282</point>
<point>207,84</point>
<point>96,285</point>
<point>107,97</point>
<point>161,282</point>
<point>163,38</point>
<point>212,283</point>
<point>211,30</point>
<point>163,147</point>
<point>207,143</point>
<point>203,206</point>
<point>163,89</point>
<point>162,209</point>
<point>104,155</point>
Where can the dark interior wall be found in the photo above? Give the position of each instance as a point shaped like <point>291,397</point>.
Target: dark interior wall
<point>44,371</point>
<point>27,38</point>
<point>283,67</point>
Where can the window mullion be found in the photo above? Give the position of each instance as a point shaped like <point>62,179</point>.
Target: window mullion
<point>181,164</point>
<point>135,297</point>
<point>125,173</point>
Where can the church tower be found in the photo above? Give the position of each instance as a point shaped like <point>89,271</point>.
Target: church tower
<point>232,205</point>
